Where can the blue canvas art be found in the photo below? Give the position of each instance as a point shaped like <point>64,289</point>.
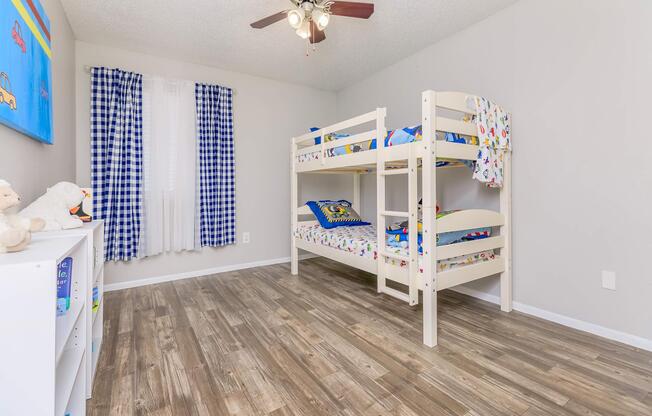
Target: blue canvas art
<point>25,69</point>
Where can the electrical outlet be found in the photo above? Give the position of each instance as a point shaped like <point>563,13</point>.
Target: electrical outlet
<point>609,280</point>
<point>246,237</point>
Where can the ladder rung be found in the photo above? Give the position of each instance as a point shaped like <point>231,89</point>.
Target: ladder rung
<point>395,256</point>
<point>402,171</point>
<point>396,294</point>
<point>395,214</point>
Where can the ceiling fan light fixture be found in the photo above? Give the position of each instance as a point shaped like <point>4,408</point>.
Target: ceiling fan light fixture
<point>296,17</point>
<point>304,30</point>
<point>309,18</point>
<point>321,18</point>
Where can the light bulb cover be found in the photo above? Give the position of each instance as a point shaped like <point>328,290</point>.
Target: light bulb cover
<point>321,19</point>
<point>304,30</point>
<point>296,17</point>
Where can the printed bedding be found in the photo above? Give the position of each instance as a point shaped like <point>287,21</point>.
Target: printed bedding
<point>393,138</point>
<point>398,236</point>
<point>361,241</point>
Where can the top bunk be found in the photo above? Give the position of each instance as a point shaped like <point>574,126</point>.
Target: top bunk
<point>327,151</point>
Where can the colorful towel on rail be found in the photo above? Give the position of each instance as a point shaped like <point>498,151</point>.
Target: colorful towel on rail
<point>398,234</point>
<point>494,133</point>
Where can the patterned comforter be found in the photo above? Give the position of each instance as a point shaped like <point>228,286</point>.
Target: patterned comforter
<point>361,241</point>
<point>394,138</point>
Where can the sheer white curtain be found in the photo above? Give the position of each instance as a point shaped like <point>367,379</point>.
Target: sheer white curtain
<point>169,166</point>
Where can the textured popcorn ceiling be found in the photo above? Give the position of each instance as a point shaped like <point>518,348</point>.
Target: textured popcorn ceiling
<point>217,33</point>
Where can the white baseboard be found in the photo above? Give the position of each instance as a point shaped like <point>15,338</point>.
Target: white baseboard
<point>197,273</point>
<point>612,334</point>
<point>477,294</point>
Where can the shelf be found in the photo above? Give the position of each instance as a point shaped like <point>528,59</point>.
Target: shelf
<point>68,371</point>
<point>42,250</point>
<point>65,326</point>
<point>77,400</point>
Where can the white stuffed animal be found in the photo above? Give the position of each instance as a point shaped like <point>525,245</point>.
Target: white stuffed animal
<point>54,207</point>
<point>14,230</point>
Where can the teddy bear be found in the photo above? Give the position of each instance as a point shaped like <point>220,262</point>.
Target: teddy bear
<point>54,207</point>
<point>15,231</point>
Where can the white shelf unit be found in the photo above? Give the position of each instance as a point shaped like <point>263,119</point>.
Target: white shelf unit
<point>93,233</point>
<point>42,355</point>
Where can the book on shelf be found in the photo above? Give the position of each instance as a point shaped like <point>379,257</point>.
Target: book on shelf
<point>64,283</point>
<point>96,298</point>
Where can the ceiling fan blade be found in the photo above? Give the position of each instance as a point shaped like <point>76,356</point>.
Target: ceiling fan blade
<point>316,35</point>
<point>269,20</point>
<point>352,9</point>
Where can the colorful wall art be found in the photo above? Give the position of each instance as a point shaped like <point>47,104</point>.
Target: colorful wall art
<point>25,69</point>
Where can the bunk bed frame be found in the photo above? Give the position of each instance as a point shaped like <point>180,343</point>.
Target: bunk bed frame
<point>404,160</point>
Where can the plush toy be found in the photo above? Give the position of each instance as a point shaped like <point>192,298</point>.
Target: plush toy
<point>54,207</point>
<point>15,231</point>
<point>83,211</point>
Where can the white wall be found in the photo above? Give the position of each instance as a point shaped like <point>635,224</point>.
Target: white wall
<point>266,114</point>
<point>29,165</point>
<point>576,75</point>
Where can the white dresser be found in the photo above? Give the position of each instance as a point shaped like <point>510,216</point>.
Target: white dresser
<point>42,355</point>
<point>94,243</point>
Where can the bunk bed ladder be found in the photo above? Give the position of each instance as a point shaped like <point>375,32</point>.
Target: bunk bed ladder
<point>412,297</point>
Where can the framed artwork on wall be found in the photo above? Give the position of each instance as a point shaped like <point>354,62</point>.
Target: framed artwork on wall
<point>25,69</point>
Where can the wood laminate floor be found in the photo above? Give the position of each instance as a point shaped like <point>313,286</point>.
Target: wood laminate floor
<point>263,342</point>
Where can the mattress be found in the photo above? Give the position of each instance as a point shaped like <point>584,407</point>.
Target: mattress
<point>362,241</point>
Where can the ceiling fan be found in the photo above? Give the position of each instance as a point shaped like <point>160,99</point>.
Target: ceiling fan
<point>310,17</point>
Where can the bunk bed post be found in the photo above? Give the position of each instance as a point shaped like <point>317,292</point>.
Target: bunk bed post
<point>356,192</point>
<point>413,228</point>
<point>506,232</point>
<point>294,204</point>
<point>380,197</point>
<point>429,181</point>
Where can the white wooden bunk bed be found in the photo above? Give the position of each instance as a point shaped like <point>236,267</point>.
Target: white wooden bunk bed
<point>408,159</point>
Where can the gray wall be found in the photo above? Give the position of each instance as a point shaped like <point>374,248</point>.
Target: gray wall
<point>577,77</point>
<point>266,114</point>
<point>29,165</point>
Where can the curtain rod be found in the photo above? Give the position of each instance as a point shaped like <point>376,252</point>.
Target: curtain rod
<point>87,69</point>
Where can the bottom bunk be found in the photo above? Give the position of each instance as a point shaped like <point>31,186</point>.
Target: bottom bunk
<point>458,262</point>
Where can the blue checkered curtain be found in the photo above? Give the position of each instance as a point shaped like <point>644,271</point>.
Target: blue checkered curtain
<point>117,159</point>
<point>216,165</point>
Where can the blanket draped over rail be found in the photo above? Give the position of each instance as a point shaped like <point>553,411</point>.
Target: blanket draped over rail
<point>494,134</point>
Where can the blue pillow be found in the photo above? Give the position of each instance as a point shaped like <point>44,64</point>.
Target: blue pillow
<point>331,214</point>
<point>318,138</point>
